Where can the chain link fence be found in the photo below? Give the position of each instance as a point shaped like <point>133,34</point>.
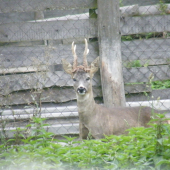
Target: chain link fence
<point>34,37</point>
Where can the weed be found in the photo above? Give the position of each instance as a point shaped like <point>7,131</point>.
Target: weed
<point>162,7</point>
<point>135,63</point>
<point>142,148</point>
<point>160,84</point>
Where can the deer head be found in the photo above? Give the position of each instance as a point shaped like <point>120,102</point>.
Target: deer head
<point>81,74</point>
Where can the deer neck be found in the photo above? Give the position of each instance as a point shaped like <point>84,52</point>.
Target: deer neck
<point>86,104</point>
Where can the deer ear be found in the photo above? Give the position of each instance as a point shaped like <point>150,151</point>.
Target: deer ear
<point>67,66</point>
<point>94,66</point>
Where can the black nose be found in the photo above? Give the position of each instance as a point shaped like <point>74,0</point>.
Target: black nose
<point>81,90</point>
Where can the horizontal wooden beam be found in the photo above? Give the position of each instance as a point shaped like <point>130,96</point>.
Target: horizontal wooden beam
<point>58,129</point>
<point>48,14</point>
<point>37,80</point>
<point>136,10</point>
<point>147,45</point>
<point>145,24</point>
<point>49,95</point>
<point>156,104</point>
<point>146,62</point>
<point>23,15</point>
<point>59,111</point>
<point>58,95</point>
<point>51,30</point>
<point>36,56</point>
<point>145,74</point>
<point>36,5</point>
<point>149,52</point>
<point>40,80</point>
<point>159,94</point>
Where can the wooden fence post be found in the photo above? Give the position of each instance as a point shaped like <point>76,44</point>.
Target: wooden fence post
<point>110,53</point>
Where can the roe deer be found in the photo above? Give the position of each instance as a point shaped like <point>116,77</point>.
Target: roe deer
<point>94,118</point>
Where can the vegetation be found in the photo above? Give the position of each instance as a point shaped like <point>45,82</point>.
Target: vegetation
<point>135,63</point>
<point>162,7</point>
<point>160,84</point>
<point>143,36</point>
<point>141,149</point>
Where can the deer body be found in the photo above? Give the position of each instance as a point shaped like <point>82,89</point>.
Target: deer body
<point>94,118</point>
<point>99,120</point>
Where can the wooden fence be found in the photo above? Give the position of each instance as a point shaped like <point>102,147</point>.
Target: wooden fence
<point>32,48</point>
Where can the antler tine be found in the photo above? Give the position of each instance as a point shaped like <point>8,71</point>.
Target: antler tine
<point>75,55</point>
<point>86,51</point>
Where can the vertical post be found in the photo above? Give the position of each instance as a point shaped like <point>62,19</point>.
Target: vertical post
<point>110,53</point>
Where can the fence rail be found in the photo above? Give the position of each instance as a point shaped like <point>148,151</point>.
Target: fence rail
<point>36,5</point>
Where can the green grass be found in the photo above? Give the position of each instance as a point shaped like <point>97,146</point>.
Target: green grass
<point>143,148</point>
<point>156,85</point>
<point>160,84</point>
<point>135,63</point>
<point>141,36</point>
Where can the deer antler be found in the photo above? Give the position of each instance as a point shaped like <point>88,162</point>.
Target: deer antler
<point>75,56</point>
<point>86,51</point>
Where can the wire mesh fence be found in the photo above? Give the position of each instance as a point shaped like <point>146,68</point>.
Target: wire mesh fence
<point>34,38</point>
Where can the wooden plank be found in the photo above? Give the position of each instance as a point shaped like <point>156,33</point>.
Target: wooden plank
<point>110,53</point>
<point>153,95</point>
<point>14,57</point>
<point>84,28</point>
<point>140,3</point>
<point>57,14</point>
<point>51,95</point>
<point>147,62</point>
<point>40,80</point>
<point>22,43</point>
<point>137,88</point>
<point>150,52</point>
<point>51,118</point>
<point>48,14</point>
<point>145,24</point>
<point>143,74</point>
<point>60,13</point>
<point>23,69</point>
<point>156,104</point>
<point>16,17</point>
<point>146,45</point>
<point>30,31</point>
<point>129,10</point>
<point>151,49</point>
<point>154,10</point>
<point>56,95</point>
<point>79,28</point>
<point>64,129</point>
<point>27,5</point>
<point>135,10</point>
<point>53,121</point>
<point>45,110</point>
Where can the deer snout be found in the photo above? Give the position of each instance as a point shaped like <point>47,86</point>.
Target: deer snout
<point>81,90</point>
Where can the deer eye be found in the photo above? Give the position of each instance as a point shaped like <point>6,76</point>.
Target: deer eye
<point>74,79</point>
<point>88,78</point>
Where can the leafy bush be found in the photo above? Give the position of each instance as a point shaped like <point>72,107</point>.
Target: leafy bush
<point>141,149</point>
